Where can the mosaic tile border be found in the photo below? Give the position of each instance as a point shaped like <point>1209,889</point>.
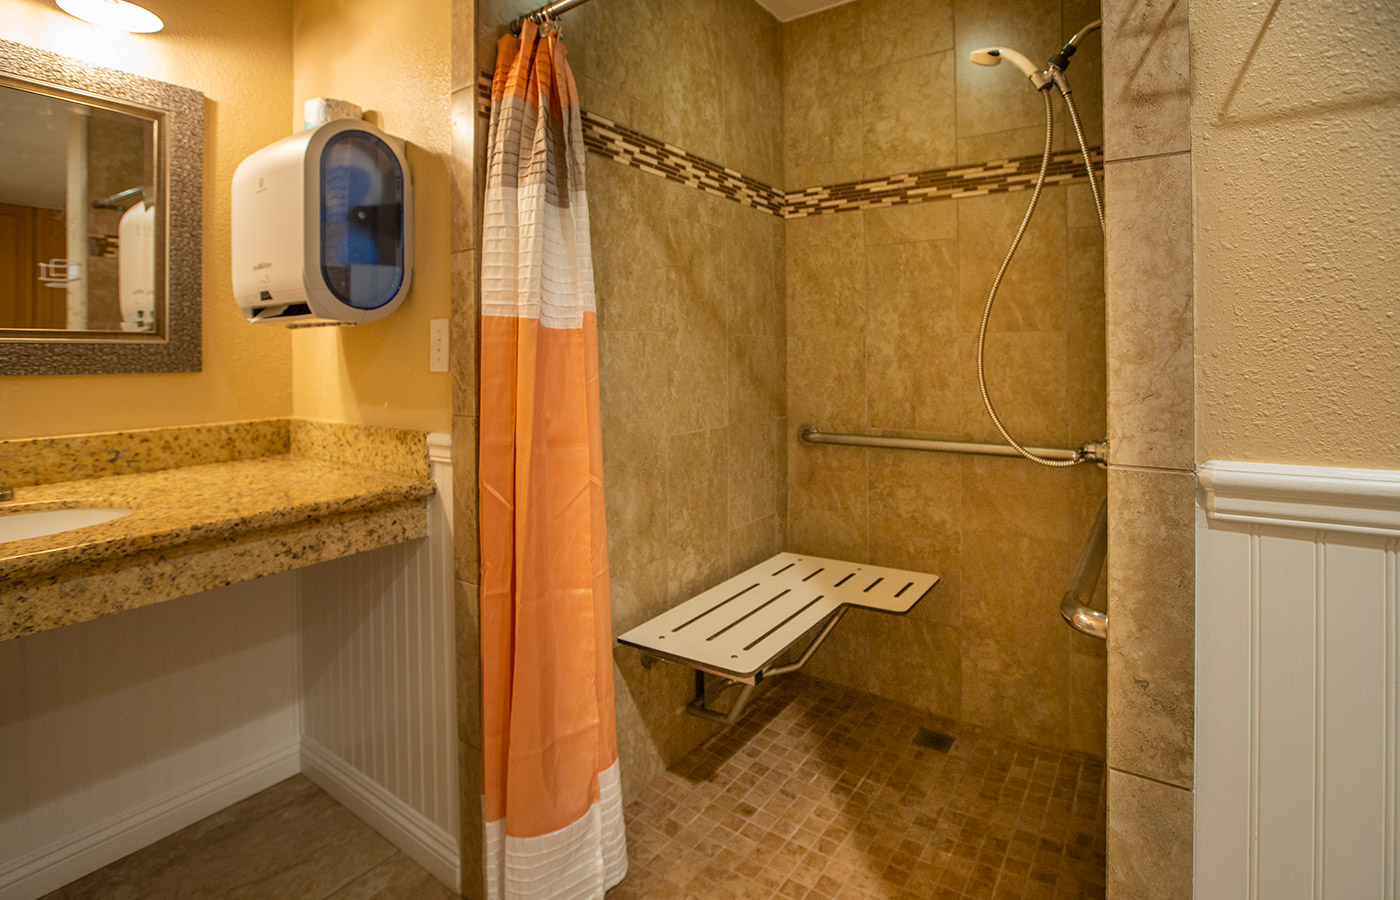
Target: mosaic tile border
<point>648,154</point>
<point>998,176</point>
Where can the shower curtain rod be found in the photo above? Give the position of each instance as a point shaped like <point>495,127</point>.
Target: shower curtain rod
<point>549,10</point>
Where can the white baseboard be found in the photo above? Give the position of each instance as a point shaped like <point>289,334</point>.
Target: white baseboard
<point>423,841</point>
<point>48,868</point>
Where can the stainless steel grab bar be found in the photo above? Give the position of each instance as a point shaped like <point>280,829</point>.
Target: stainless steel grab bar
<point>1074,605</point>
<point>1094,451</point>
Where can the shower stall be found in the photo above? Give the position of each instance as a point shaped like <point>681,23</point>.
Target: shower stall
<point>796,225</point>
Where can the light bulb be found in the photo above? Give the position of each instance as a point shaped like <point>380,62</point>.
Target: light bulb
<point>113,18</point>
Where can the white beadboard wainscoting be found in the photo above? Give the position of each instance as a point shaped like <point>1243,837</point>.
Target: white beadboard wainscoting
<point>1297,716</point>
<point>378,685</point>
<point>117,732</point>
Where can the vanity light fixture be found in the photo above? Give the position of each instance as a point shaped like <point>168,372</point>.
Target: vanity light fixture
<point>113,18</point>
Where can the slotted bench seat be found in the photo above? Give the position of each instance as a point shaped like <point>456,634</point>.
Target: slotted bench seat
<point>738,629</point>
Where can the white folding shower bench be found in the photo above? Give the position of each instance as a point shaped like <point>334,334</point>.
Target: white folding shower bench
<point>736,631</point>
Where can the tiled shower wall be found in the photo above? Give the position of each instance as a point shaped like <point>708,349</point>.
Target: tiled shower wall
<point>691,323</point>
<point>883,311</point>
<point>1152,486</point>
<point>715,317</point>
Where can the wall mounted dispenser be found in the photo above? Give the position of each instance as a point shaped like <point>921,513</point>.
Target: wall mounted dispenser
<point>323,227</point>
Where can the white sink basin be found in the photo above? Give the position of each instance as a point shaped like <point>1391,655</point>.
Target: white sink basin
<point>19,526</point>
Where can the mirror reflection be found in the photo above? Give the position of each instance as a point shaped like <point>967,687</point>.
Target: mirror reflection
<point>79,218</point>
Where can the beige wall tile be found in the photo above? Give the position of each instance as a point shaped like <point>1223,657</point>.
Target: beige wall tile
<point>1149,290</point>
<point>828,501</point>
<point>605,100</point>
<point>753,542</point>
<point>903,29</point>
<point>628,226</point>
<point>652,733</point>
<point>896,658</point>
<point>916,222</point>
<point>907,109</point>
<point>1149,839</point>
<point>697,512</point>
<point>1146,63</point>
<point>1032,294</point>
<point>826,274</point>
<point>753,452</point>
<point>699,326</point>
<point>1014,142</point>
<point>1151,644</point>
<point>623,45</point>
<point>473,827</point>
<point>753,262</point>
<point>462,169</point>
<point>914,374</point>
<point>465,528</point>
<point>638,594</point>
<point>822,117</point>
<point>633,376</point>
<point>822,125</point>
<point>751,71</point>
<point>463,44</point>
<point>916,522</point>
<point>1028,381</point>
<point>1087,725</point>
<point>826,379</point>
<point>467,599</point>
<point>1084,265</point>
<point>692,91</point>
<point>463,336</point>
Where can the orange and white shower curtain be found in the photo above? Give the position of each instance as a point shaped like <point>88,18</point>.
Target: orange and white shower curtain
<point>552,795</point>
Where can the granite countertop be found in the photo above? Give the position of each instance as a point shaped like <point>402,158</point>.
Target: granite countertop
<point>179,506</point>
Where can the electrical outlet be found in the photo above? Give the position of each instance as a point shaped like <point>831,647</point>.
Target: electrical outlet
<point>437,345</point>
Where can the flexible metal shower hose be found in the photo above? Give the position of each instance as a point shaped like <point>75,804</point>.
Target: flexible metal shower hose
<point>1006,264</point>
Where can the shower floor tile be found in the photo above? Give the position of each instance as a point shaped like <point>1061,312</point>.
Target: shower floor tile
<point>820,793</point>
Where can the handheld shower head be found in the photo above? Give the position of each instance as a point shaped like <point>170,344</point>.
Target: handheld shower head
<point>991,56</point>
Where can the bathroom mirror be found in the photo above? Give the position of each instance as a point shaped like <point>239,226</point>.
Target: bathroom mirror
<point>99,218</point>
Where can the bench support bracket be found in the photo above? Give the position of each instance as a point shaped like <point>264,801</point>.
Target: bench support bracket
<point>706,692</point>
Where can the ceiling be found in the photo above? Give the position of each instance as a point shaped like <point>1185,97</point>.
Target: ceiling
<point>787,10</point>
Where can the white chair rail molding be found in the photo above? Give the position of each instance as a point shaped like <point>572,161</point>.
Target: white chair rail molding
<point>1298,713</point>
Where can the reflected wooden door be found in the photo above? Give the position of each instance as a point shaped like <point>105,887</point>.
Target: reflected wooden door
<point>18,272</point>
<point>29,236</point>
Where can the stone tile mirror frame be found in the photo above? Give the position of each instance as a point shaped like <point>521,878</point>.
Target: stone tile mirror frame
<point>179,116</point>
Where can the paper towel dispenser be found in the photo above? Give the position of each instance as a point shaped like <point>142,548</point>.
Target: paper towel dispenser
<point>323,227</point>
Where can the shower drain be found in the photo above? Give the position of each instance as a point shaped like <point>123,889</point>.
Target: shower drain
<point>934,740</point>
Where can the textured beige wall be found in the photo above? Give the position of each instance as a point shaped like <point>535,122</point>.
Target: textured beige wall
<point>883,309</point>
<point>393,60</point>
<point>691,322</point>
<point>1295,114</point>
<point>239,55</point>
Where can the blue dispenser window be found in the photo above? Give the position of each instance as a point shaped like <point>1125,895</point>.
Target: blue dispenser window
<point>361,219</point>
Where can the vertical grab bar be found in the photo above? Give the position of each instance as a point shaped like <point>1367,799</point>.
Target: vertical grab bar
<point>1074,605</point>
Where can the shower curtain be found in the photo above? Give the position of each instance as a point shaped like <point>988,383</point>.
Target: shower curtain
<point>552,795</point>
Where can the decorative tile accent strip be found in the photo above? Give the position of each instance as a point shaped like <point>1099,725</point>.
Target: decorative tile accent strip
<point>640,151</point>
<point>632,148</point>
<point>998,176</point>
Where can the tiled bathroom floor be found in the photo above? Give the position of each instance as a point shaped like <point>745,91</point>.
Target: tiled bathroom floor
<point>820,792</point>
<point>289,842</point>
